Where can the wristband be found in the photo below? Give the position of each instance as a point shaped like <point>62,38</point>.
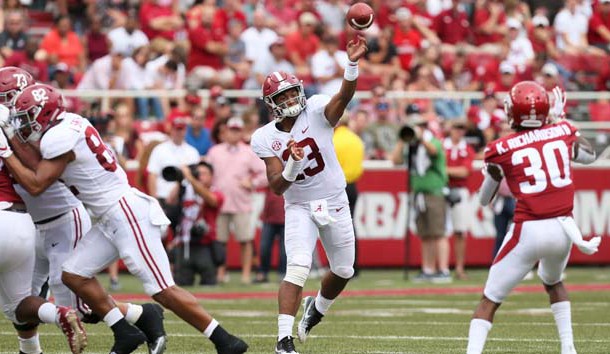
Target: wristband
<point>292,169</point>
<point>6,153</point>
<point>351,71</point>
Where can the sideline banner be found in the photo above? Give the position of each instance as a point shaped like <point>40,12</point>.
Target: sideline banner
<point>381,212</point>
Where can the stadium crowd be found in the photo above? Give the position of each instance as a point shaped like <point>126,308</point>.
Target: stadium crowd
<point>414,45</point>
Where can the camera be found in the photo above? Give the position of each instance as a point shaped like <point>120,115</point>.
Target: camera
<point>407,133</point>
<point>174,174</point>
<point>199,230</point>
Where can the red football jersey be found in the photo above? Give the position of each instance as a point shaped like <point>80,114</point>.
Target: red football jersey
<point>7,192</point>
<point>536,165</point>
<point>458,155</point>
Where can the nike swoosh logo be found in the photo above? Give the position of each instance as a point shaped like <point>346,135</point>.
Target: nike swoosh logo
<point>304,130</point>
<point>339,209</point>
<point>54,244</point>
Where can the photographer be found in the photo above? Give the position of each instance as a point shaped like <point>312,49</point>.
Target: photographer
<point>198,251</point>
<point>428,178</point>
<point>459,165</point>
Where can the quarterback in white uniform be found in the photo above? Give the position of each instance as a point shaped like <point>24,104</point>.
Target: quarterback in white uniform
<point>128,222</point>
<point>301,163</point>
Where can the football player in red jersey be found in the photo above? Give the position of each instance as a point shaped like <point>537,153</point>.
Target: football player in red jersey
<point>536,163</point>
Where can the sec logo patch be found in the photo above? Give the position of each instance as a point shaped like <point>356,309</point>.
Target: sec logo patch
<point>276,145</point>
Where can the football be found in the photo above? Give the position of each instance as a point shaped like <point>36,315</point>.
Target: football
<point>360,16</point>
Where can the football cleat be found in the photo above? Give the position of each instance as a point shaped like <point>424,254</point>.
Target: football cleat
<point>285,346</point>
<point>151,324</point>
<point>72,327</point>
<point>233,346</point>
<point>127,340</point>
<point>311,317</point>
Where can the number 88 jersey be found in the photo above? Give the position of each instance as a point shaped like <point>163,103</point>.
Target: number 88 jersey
<point>321,177</point>
<point>94,176</point>
<point>537,168</point>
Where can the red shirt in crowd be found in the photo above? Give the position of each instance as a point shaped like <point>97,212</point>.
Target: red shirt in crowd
<point>209,214</point>
<point>452,26</point>
<point>597,20</point>
<point>407,43</point>
<point>148,12</point>
<point>305,47</point>
<point>222,19</point>
<point>480,17</point>
<point>458,155</point>
<point>199,37</point>
<point>37,68</point>
<point>273,210</point>
<point>67,50</point>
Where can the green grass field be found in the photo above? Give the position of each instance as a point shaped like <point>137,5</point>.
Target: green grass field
<point>380,324</point>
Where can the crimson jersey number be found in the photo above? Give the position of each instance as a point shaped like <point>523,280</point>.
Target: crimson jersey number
<point>553,153</point>
<point>314,155</point>
<point>103,155</point>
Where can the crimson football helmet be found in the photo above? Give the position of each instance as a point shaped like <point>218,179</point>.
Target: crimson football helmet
<point>278,82</point>
<point>36,110</point>
<point>527,105</point>
<point>13,80</point>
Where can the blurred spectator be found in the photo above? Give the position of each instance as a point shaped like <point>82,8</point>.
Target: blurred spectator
<point>407,38</point>
<point>159,19</point>
<point>519,52</point>
<point>13,38</point>
<point>230,11</point>
<point>550,77</point>
<point>29,60</point>
<point>185,109</point>
<point>197,135</point>
<point>281,11</point>
<point>489,25</point>
<point>199,253</point>
<point>129,37</point>
<point>174,152</point>
<point>258,38</point>
<point>303,43</point>
<point>350,154</point>
<point>423,80</point>
<point>238,173</point>
<point>236,56</point>
<point>382,58</point>
<point>386,13</point>
<point>165,73</point>
<point>599,26</point>
<point>108,72</point>
<point>359,125</point>
<point>95,41</point>
<point>383,132</point>
<point>506,79</point>
<point>206,57</point>
<point>461,74</point>
<point>571,27</point>
<point>378,95</point>
<point>125,139</point>
<point>452,27</point>
<point>212,107</point>
<point>272,217</point>
<point>333,14</point>
<point>251,120</point>
<point>275,61</point>
<point>140,79</point>
<point>428,178</point>
<point>62,80</point>
<point>327,66</point>
<point>459,166</point>
<point>63,45</point>
<point>111,12</point>
<point>542,37</point>
<point>488,116</point>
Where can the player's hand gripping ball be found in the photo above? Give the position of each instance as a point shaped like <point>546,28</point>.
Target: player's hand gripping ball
<point>360,16</point>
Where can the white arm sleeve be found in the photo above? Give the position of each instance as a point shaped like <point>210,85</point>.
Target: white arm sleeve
<point>583,156</point>
<point>488,189</point>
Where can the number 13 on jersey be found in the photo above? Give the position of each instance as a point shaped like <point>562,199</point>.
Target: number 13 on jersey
<point>314,155</point>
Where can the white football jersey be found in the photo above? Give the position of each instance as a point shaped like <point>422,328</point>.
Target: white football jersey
<point>94,176</point>
<point>54,201</point>
<point>321,176</point>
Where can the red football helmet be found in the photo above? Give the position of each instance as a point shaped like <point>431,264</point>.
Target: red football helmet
<point>527,105</point>
<point>36,110</point>
<point>278,82</point>
<point>12,81</point>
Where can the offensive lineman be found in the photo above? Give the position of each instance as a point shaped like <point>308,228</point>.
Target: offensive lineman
<point>313,185</point>
<point>61,221</point>
<point>129,222</point>
<point>536,163</point>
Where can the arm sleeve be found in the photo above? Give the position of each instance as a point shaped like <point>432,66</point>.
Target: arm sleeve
<point>57,142</point>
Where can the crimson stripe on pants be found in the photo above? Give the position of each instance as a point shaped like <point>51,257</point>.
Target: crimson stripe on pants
<point>80,224</point>
<point>514,240</point>
<point>148,263</point>
<point>76,228</point>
